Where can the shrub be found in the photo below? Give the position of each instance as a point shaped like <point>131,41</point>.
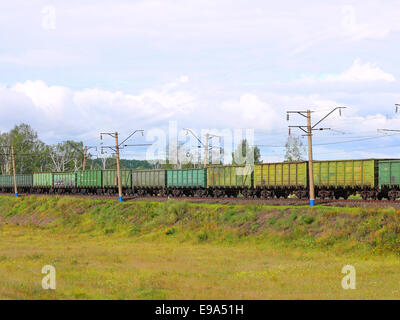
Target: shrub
<point>169,231</point>
<point>307,219</point>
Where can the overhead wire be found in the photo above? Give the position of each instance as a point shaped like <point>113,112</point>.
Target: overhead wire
<point>335,142</point>
<point>360,149</point>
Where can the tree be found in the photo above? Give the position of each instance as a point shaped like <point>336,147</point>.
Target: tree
<point>42,160</point>
<point>295,149</point>
<point>243,151</point>
<point>257,155</point>
<point>67,156</point>
<point>166,165</point>
<point>104,163</point>
<point>5,158</point>
<point>30,153</point>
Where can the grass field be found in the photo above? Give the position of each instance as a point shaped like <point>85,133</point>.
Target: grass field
<point>138,250</point>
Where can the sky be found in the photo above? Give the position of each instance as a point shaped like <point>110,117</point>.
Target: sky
<point>73,69</point>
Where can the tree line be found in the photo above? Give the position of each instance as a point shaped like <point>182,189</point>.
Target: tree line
<point>33,155</point>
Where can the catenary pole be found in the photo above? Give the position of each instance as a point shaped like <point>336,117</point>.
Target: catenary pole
<point>206,151</point>
<point>14,174</point>
<point>308,130</point>
<point>118,168</point>
<point>84,158</point>
<point>116,149</point>
<point>206,145</point>
<point>310,159</point>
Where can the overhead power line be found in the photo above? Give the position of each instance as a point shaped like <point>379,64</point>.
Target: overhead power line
<point>361,149</point>
<point>335,142</point>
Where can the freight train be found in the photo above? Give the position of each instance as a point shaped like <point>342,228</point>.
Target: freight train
<point>334,179</point>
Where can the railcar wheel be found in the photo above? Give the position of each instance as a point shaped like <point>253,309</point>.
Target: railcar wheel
<point>364,196</point>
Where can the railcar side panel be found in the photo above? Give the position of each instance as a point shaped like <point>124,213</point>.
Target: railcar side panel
<point>89,179</point>
<point>149,178</point>
<point>389,173</point>
<point>43,179</point>
<point>23,180</point>
<point>64,180</point>
<point>290,174</point>
<point>229,176</point>
<point>184,178</point>
<point>346,173</point>
<point>110,179</point>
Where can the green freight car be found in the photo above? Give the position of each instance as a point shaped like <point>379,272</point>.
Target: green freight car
<point>24,183</point>
<point>281,179</point>
<point>149,182</point>
<point>110,181</point>
<point>64,182</point>
<point>188,182</point>
<point>89,181</point>
<point>342,178</point>
<point>43,182</point>
<point>6,183</point>
<point>229,180</point>
<point>389,179</point>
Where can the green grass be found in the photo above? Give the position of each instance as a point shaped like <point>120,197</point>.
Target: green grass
<point>179,250</point>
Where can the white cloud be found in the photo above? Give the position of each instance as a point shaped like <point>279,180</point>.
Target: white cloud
<point>49,100</point>
<point>248,111</point>
<point>358,72</point>
<point>64,112</point>
<point>92,108</point>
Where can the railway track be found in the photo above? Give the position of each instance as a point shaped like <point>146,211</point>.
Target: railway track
<point>225,200</point>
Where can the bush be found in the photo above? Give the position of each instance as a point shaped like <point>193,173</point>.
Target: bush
<point>169,231</point>
<point>307,219</point>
